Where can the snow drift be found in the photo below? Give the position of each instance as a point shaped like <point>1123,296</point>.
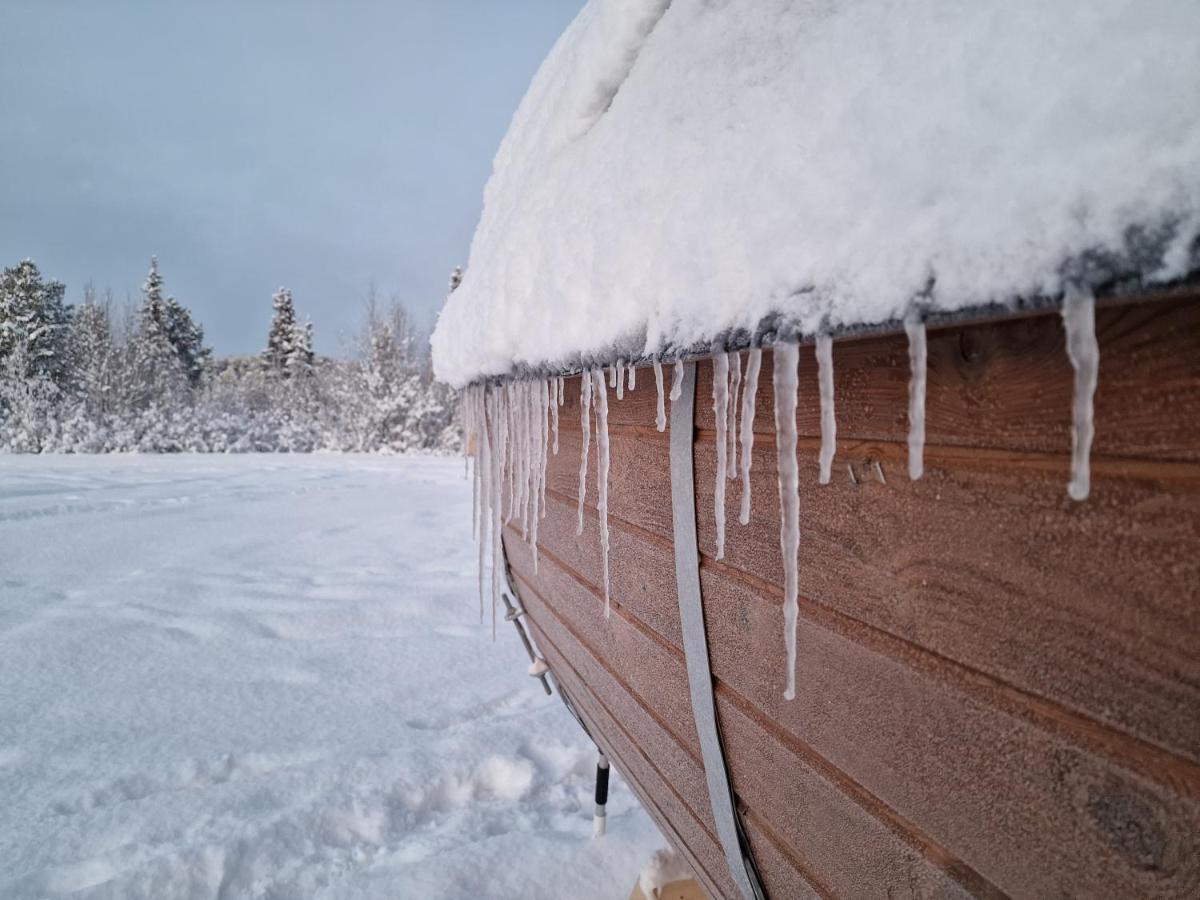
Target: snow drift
<point>682,170</point>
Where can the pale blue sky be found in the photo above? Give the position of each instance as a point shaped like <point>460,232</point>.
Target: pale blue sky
<point>317,145</point>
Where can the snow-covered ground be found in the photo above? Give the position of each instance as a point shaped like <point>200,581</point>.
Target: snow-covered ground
<point>265,677</point>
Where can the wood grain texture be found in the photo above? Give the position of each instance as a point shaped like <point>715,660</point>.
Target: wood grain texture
<point>602,649</point>
<point>999,689</point>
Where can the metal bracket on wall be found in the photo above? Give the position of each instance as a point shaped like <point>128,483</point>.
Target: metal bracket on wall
<point>513,615</point>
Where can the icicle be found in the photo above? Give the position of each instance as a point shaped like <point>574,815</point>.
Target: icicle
<point>485,486</point>
<point>677,381</point>
<point>614,374</point>
<point>547,405</point>
<point>525,395</point>
<point>916,396</point>
<point>735,381</point>
<point>618,372</point>
<point>828,420</point>
<point>537,428</point>
<point>602,461</point>
<point>786,359</point>
<point>1079,319</point>
<point>585,403</point>
<point>721,414</point>
<point>749,398</point>
<point>503,399</point>
<point>518,459</point>
<point>660,419</point>
<point>541,398</point>
<point>509,434</point>
<point>555,402</point>
<point>479,413</point>
<point>632,377</point>
<point>562,390</point>
<point>471,436</point>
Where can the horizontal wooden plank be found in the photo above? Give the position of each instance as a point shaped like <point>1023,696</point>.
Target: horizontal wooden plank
<point>809,809</point>
<point>1034,810</point>
<point>778,868</point>
<point>995,672</point>
<point>1089,605</point>
<point>653,671</point>
<point>638,479</point>
<point>1008,385</point>
<point>753,667</point>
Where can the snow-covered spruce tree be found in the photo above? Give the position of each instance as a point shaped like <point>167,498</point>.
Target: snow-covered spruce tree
<point>174,322</point>
<point>33,316</point>
<point>160,379</point>
<point>289,352</point>
<point>304,359</point>
<point>187,337</point>
<point>34,357</point>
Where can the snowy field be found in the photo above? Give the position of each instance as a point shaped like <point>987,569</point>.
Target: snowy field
<point>265,677</point>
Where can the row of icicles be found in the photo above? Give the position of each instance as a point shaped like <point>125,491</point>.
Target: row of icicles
<point>511,428</point>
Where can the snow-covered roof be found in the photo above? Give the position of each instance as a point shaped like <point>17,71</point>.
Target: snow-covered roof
<point>682,169</point>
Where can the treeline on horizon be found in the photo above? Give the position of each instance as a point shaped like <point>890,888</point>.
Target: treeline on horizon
<point>98,378</point>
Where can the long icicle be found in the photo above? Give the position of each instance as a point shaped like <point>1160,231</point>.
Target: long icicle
<point>509,434</point>
<point>547,405</point>
<point>828,419</point>
<point>472,439</point>
<point>485,486</point>
<point>720,392</point>
<point>749,398</point>
<point>602,461</point>
<point>735,381</point>
<point>524,398</point>
<point>677,381</point>
<point>585,404</point>
<point>503,399</point>
<point>538,468</point>
<point>917,356</point>
<point>786,376</point>
<point>555,403</point>
<point>660,419</point>
<point>1079,319</point>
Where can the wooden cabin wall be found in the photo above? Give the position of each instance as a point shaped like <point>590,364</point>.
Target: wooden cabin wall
<point>998,689</point>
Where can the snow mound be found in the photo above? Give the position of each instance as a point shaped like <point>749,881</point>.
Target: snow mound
<point>679,170</point>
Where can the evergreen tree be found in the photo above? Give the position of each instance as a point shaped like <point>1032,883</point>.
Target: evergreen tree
<point>105,378</point>
<point>166,317</point>
<point>456,278</point>
<point>289,352</point>
<point>159,374</point>
<point>304,358</point>
<point>34,319</point>
<point>187,338</point>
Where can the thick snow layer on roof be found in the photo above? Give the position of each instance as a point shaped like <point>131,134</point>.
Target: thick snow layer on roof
<point>680,169</point>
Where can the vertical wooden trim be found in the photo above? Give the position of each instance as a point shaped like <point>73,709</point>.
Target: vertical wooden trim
<point>695,642</point>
